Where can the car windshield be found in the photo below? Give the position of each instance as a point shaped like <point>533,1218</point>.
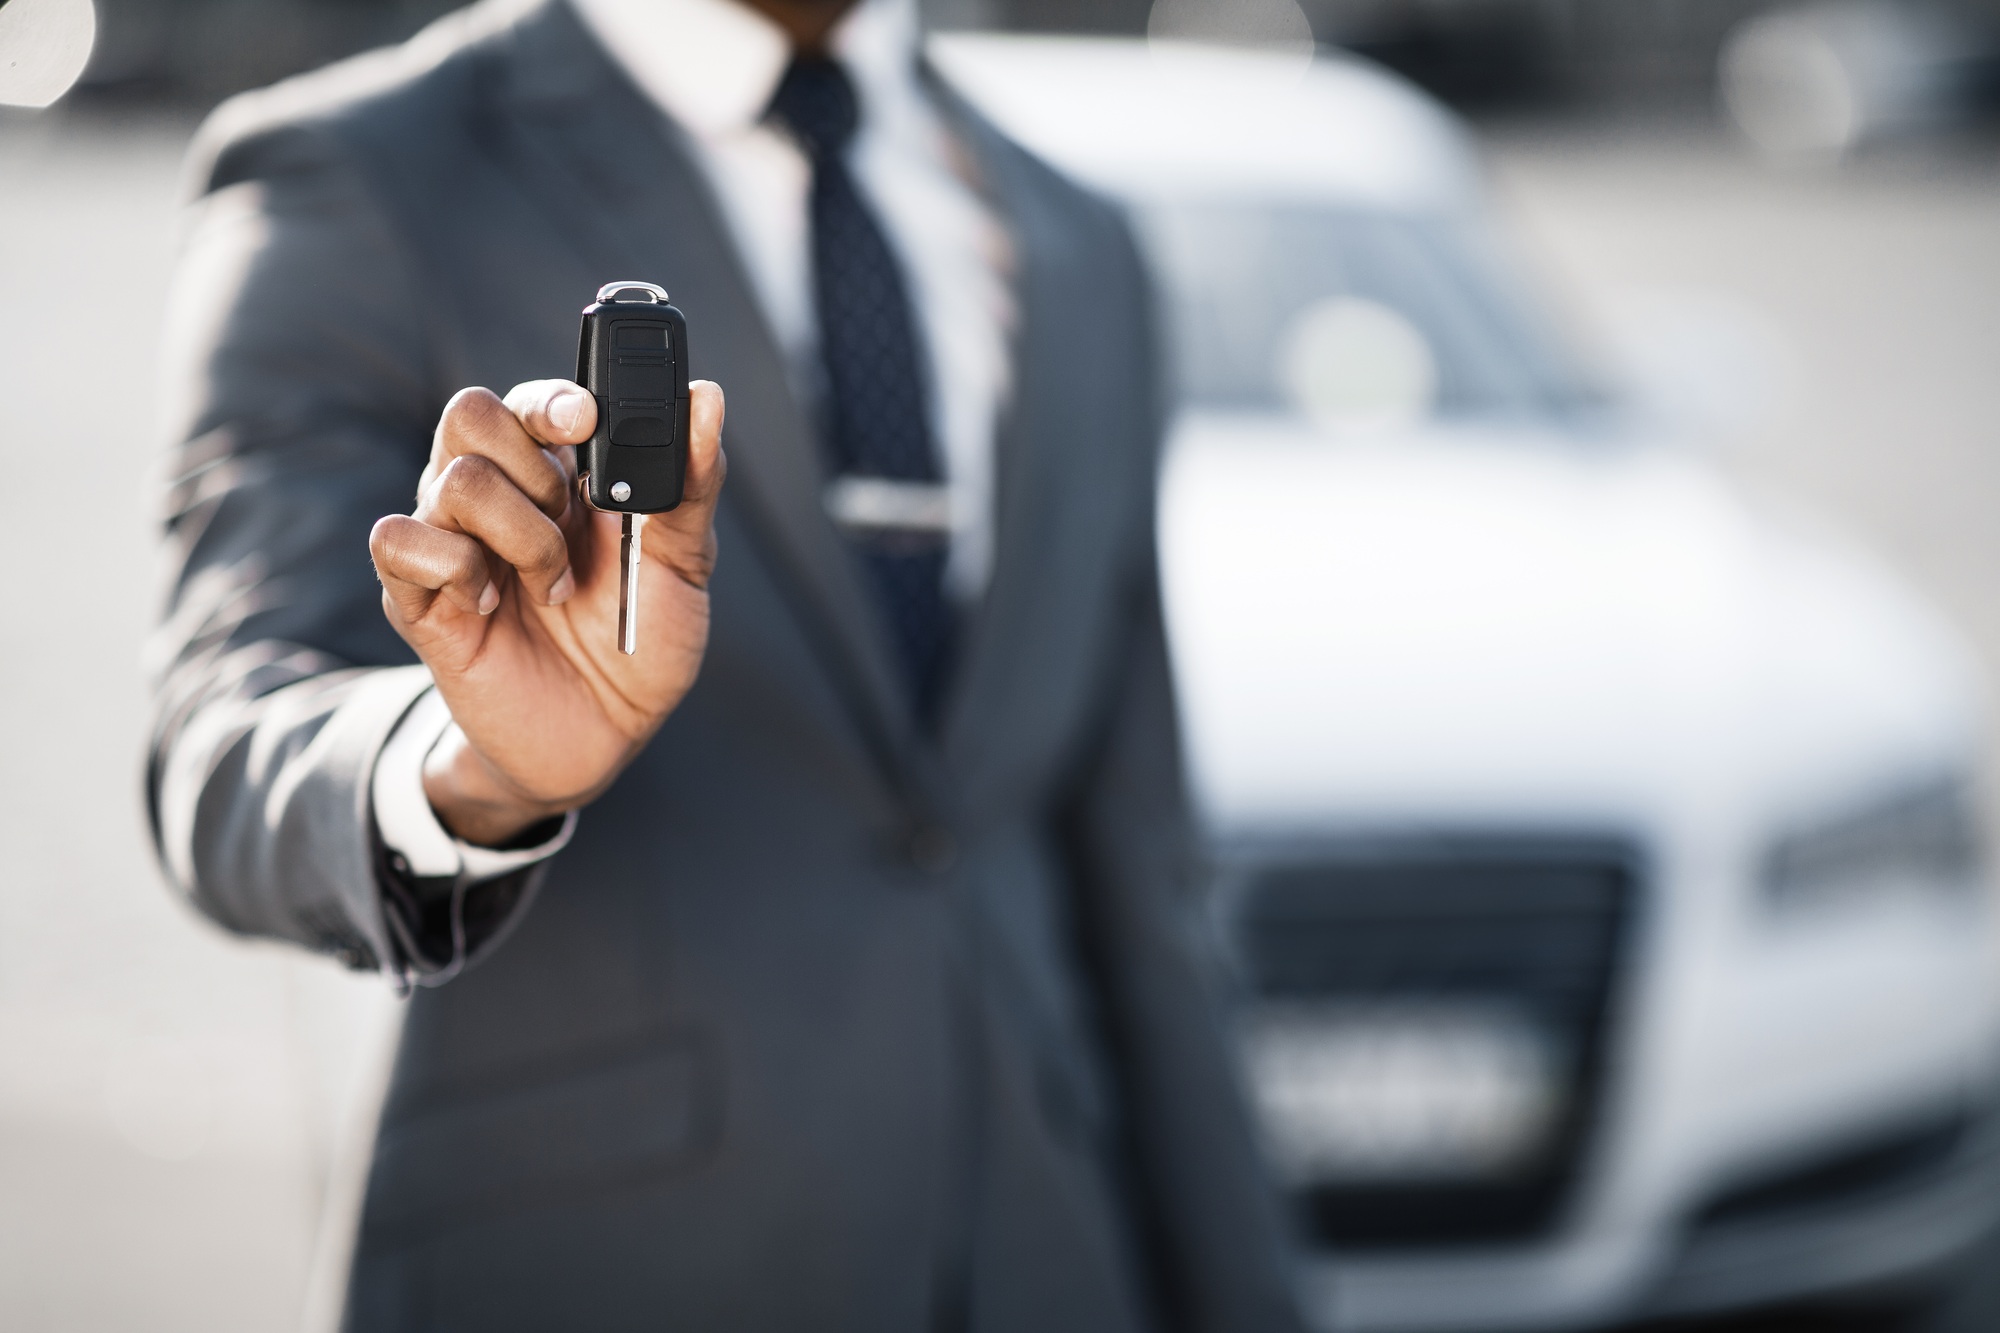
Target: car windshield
<point>1345,316</point>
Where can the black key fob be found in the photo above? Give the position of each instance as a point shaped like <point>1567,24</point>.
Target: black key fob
<point>632,356</point>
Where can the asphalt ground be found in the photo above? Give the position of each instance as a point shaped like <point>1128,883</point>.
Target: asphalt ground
<point>179,1111</point>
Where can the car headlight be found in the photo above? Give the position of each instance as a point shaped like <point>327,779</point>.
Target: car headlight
<point>1925,838</point>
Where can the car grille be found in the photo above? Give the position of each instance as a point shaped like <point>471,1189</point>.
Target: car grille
<point>1453,990</point>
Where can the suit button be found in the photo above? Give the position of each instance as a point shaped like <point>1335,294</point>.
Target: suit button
<point>932,849</point>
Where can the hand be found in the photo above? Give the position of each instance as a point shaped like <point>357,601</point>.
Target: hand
<point>505,581</point>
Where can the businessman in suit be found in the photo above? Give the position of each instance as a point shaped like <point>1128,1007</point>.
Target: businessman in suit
<point>866,991</point>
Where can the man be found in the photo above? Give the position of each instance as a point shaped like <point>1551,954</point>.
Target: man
<point>865,994</point>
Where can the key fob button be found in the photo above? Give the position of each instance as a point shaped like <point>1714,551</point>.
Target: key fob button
<point>641,433</point>
<point>645,381</point>
<point>651,337</point>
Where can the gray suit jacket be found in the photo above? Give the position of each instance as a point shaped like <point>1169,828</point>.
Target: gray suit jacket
<point>818,1023</point>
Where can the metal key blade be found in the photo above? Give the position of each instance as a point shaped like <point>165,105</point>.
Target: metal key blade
<point>629,547</point>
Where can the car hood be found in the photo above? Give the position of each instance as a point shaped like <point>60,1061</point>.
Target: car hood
<point>1490,628</point>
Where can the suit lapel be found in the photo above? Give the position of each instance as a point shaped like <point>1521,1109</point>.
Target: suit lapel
<point>1026,547</point>
<point>627,189</point>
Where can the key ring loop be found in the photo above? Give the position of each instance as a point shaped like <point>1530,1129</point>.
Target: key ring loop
<point>608,293</point>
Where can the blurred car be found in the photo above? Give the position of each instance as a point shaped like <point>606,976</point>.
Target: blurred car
<point>1600,847</point>
<point>1821,79</point>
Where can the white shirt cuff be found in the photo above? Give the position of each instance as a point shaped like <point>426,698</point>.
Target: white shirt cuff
<point>410,828</point>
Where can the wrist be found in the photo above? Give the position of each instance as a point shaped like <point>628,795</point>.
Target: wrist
<point>472,801</point>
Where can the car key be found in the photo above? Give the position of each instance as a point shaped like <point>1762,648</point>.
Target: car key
<point>632,357</point>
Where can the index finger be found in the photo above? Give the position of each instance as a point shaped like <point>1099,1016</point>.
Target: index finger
<point>476,422</point>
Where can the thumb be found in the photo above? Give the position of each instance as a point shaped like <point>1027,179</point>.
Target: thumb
<point>684,537</point>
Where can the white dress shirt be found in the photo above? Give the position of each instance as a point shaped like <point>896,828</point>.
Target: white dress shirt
<point>712,66</point>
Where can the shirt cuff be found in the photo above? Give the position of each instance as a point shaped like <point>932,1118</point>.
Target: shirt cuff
<point>410,829</point>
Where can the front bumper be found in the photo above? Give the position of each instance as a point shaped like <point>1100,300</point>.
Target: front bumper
<point>1880,1212</point>
<point>1926,1197</point>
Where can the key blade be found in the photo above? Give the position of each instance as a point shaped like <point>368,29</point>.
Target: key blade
<point>630,546</point>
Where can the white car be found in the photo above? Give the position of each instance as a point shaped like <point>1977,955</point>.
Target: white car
<point>1601,849</point>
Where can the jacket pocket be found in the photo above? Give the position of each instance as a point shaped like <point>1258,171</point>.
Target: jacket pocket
<point>550,1134</point>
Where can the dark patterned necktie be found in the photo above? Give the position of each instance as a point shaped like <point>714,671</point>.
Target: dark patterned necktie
<point>877,426</point>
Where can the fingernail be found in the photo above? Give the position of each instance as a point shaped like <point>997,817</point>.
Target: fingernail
<point>489,599</point>
<point>561,590</point>
<point>566,410</point>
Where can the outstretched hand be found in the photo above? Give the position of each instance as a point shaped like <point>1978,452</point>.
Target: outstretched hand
<point>505,581</point>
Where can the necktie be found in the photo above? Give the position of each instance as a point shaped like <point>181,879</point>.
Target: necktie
<point>877,426</point>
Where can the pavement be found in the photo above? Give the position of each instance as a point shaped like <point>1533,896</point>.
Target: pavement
<point>181,1112</point>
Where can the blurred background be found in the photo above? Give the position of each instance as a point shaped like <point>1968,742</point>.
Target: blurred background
<point>1602,841</point>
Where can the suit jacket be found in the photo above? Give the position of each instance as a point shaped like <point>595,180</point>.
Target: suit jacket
<point>819,1023</point>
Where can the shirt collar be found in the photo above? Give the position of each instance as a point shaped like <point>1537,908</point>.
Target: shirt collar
<point>713,65</point>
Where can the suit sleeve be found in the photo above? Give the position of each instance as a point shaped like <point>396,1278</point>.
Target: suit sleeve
<point>300,403</point>
<point>1218,1244</point>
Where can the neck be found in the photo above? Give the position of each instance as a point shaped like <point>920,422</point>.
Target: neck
<point>807,22</point>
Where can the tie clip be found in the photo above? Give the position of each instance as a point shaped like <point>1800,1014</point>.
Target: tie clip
<point>871,505</point>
